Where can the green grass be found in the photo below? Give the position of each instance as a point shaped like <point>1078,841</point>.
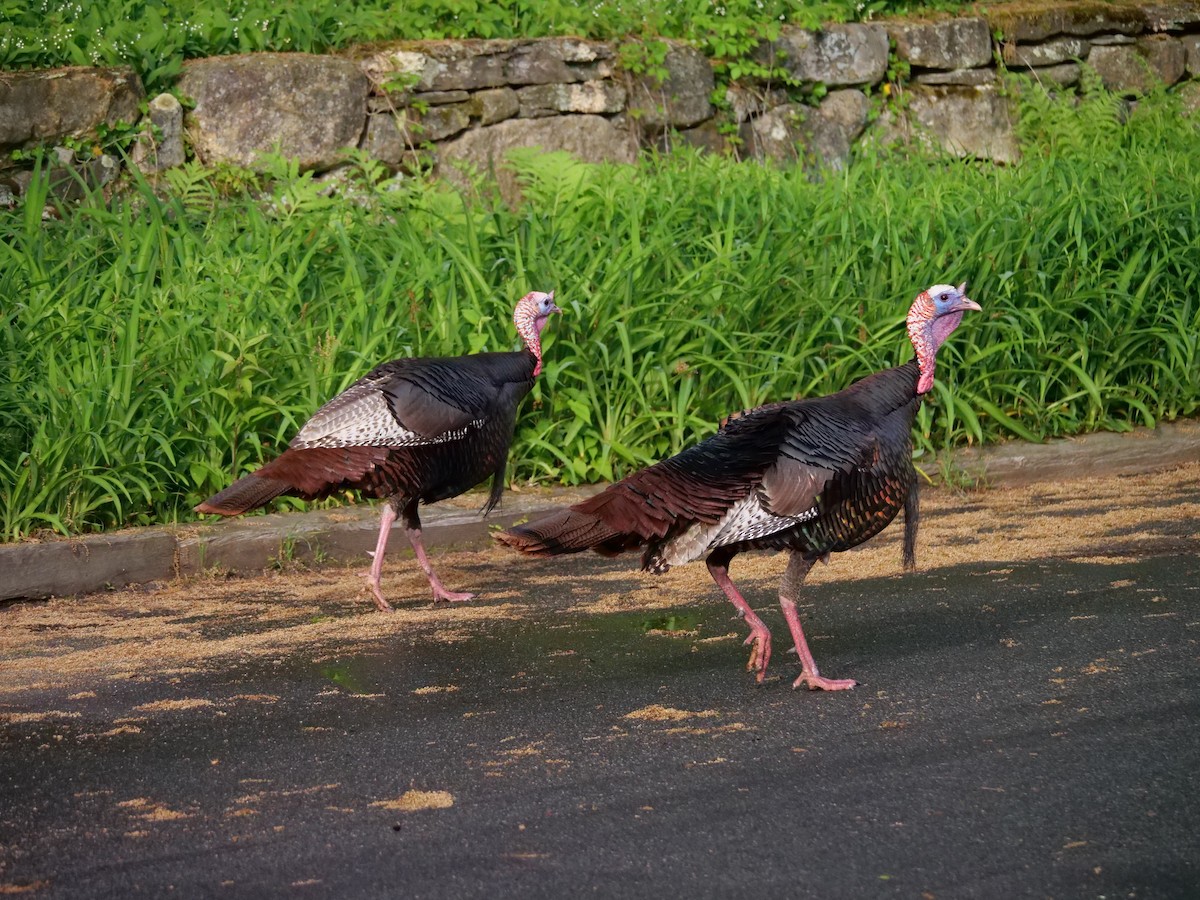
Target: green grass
<point>153,348</point>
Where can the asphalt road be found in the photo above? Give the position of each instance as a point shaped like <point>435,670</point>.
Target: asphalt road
<point>1024,731</point>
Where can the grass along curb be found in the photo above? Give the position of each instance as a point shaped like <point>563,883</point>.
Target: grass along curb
<point>140,370</point>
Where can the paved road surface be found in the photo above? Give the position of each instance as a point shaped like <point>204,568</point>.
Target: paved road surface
<point>1027,730</point>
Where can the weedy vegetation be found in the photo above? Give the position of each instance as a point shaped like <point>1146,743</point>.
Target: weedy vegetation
<point>154,347</point>
<point>156,36</point>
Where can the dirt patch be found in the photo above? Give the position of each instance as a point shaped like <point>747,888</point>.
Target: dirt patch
<point>415,801</point>
<point>14,889</point>
<point>531,749</point>
<point>22,718</point>
<point>150,811</point>
<point>657,713</point>
<point>79,645</point>
<point>126,635</point>
<point>721,729</point>
<point>162,814</point>
<point>173,705</point>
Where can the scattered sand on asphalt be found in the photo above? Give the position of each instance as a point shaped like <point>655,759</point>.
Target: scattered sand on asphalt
<point>185,626</point>
<point>189,625</point>
<point>147,809</point>
<point>415,801</point>
<point>27,888</point>
<point>657,713</point>
<point>719,730</point>
<point>168,705</point>
<point>49,715</point>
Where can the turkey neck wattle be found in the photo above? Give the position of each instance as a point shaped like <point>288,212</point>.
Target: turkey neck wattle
<point>928,331</point>
<point>529,327</point>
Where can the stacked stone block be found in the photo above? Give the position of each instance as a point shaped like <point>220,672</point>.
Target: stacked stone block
<point>451,103</point>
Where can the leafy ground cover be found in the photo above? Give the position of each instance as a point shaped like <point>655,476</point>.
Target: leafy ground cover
<point>156,36</point>
<point>153,347</point>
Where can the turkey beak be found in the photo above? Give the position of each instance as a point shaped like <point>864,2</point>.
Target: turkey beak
<point>964,303</point>
<point>553,307</point>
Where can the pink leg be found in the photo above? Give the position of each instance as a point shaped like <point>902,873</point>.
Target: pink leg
<point>797,568</point>
<point>412,527</point>
<point>373,576</point>
<point>760,637</point>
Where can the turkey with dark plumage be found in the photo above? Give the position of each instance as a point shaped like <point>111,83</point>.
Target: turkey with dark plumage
<point>812,477</point>
<point>411,431</point>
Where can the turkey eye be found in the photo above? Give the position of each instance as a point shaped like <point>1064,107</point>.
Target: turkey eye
<point>944,297</point>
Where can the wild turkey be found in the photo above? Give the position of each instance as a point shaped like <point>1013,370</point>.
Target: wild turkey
<point>411,430</point>
<point>812,477</point>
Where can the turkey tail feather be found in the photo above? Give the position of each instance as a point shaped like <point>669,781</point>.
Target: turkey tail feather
<point>497,490</point>
<point>565,531</point>
<point>912,517</point>
<point>247,493</point>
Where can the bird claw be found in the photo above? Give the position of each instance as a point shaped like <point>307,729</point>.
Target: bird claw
<point>376,594</point>
<point>380,603</point>
<point>451,596</point>
<point>816,682</point>
<point>760,653</point>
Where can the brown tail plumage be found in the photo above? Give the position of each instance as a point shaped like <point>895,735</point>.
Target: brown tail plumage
<point>247,493</point>
<point>564,531</point>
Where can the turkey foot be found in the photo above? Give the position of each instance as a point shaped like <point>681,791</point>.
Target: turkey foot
<point>375,573</point>
<point>760,637</point>
<point>760,651</point>
<point>412,527</point>
<point>376,594</point>
<point>809,676</point>
<point>440,593</point>
<point>814,681</point>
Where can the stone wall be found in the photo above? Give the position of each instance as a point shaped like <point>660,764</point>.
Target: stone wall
<point>442,104</point>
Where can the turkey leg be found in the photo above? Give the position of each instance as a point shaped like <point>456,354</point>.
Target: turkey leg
<point>760,637</point>
<point>412,527</point>
<point>797,569</point>
<point>373,576</point>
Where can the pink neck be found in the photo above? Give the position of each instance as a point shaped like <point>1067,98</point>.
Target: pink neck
<point>928,331</point>
<point>529,327</point>
<point>919,317</point>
